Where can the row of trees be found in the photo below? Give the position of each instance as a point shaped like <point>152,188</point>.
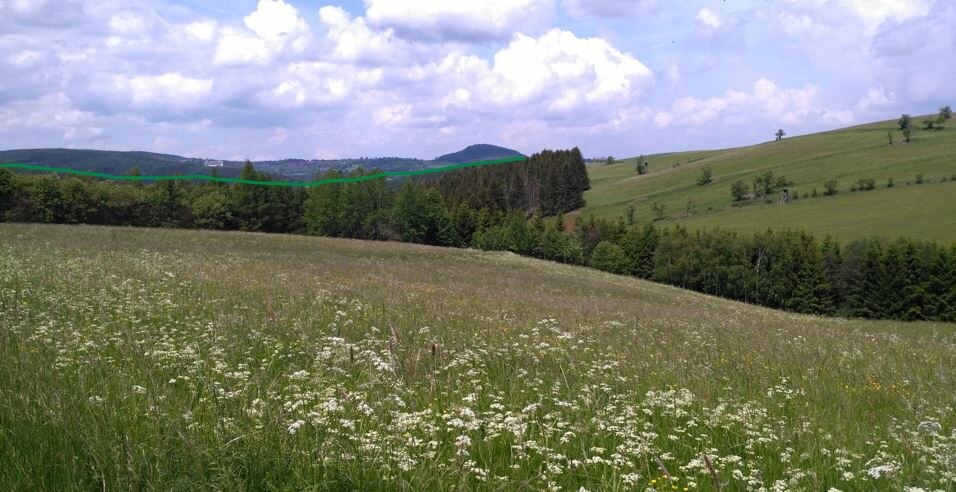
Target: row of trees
<point>788,270</point>
<point>49,199</point>
<point>873,278</point>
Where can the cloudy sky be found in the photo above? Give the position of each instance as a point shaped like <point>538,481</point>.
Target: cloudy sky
<point>306,78</point>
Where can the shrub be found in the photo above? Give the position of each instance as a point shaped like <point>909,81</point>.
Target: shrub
<point>830,188</point>
<point>739,190</point>
<point>609,257</point>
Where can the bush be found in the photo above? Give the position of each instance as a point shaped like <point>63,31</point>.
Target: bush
<point>889,183</point>
<point>706,177</point>
<point>919,179</point>
<point>739,190</point>
<point>830,188</point>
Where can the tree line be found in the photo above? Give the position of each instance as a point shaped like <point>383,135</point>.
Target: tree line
<point>504,209</point>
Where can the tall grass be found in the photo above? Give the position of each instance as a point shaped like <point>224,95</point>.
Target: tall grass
<point>186,360</point>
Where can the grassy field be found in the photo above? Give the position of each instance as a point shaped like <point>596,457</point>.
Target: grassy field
<point>924,211</point>
<point>183,360</point>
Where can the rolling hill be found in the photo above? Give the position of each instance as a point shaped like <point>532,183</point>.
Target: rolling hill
<point>149,163</point>
<point>478,152</point>
<point>193,360</point>
<point>918,205</point>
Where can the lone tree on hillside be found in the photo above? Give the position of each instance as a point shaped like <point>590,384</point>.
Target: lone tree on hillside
<point>739,190</point>
<point>904,122</point>
<point>641,167</point>
<point>706,177</point>
<point>944,114</point>
<point>610,161</point>
<point>907,133</point>
<point>780,133</point>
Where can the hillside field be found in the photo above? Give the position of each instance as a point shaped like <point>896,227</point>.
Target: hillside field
<point>908,209</point>
<point>185,360</point>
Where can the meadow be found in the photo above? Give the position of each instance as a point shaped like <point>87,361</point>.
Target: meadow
<point>183,360</point>
<point>907,209</point>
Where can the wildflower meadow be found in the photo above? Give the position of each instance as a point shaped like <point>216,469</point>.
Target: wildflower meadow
<point>187,360</point>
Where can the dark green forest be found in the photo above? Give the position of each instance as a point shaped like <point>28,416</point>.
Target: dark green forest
<point>518,207</point>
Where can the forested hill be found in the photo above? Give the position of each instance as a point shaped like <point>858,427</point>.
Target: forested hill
<point>149,163</point>
<point>108,161</point>
<point>478,152</point>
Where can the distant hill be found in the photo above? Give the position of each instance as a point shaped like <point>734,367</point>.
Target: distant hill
<point>478,152</point>
<point>919,203</point>
<point>108,161</point>
<point>149,163</point>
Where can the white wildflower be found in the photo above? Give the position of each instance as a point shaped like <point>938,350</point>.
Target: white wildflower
<point>930,427</point>
<point>294,426</point>
<point>881,470</point>
<point>299,375</point>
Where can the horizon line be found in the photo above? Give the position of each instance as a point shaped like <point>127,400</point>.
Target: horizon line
<point>221,179</point>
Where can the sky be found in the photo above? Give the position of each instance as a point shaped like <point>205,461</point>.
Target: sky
<point>272,79</point>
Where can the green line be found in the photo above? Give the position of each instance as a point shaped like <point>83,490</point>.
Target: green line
<point>193,177</point>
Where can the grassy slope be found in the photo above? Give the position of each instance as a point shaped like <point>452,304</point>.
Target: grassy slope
<point>845,155</point>
<point>136,358</point>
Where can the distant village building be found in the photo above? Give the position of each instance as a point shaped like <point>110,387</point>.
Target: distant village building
<point>212,163</point>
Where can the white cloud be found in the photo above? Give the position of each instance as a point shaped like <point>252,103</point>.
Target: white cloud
<point>127,23</point>
<point>276,22</point>
<point>203,30</point>
<point>273,28</point>
<point>875,12</point>
<point>353,40</point>
<point>236,47</point>
<point>169,90</point>
<point>876,98</point>
<point>564,70</point>
<point>393,115</point>
<point>708,19</point>
<point>766,100</point>
<point>437,20</point>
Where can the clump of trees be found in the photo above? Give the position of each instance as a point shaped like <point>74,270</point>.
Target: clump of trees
<point>907,128</point>
<point>641,166</point>
<point>706,177</point>
<point>764,184</point>
<point>549,183</point>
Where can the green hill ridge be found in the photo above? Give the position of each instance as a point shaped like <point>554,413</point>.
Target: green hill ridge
<point>918,205</point>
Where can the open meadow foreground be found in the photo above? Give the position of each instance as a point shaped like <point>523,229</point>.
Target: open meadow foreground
<point>187,360</point>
